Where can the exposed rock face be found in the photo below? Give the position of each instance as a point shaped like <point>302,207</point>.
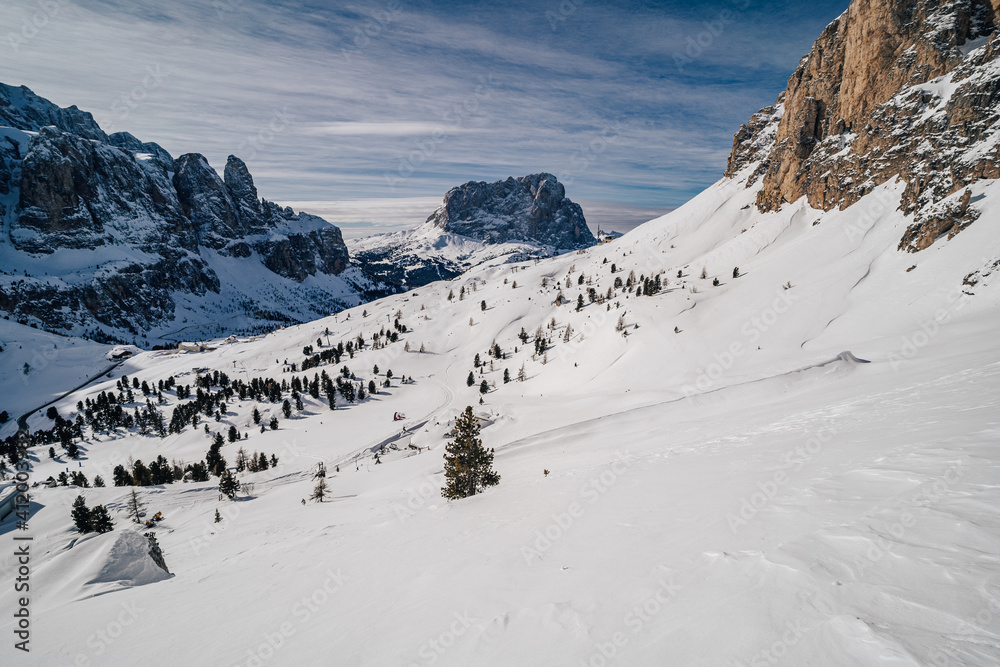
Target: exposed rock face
<point>515,219</point>
<point>67,186</point>
<point>530,209</point>
<point>891,88</point>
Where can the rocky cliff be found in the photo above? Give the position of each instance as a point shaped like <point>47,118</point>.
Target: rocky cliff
<point>110,236</point>
<point>477,222</point>
<point>892,88</point>
<point>530,209</point>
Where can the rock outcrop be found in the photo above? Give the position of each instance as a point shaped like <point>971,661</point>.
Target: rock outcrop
<point>530,209</point>
<point>510,220</point>
<point>906,88</point>
<point>161,225</point>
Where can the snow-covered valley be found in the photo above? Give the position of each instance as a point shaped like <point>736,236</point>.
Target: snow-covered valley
<point>744,474</point>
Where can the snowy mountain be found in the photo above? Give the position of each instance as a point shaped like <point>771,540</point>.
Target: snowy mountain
<point>479,222</point>
<point>746,433</point>
<point>112,238</point>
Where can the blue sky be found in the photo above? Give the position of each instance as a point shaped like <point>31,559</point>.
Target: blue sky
<point>632,105</point>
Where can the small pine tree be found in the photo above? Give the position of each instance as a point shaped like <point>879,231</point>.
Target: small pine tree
<point>274,423</point>
<point>506,375</point>
<point>579,302</point>
<point>256,416</point>
<point>471,380</point>
<point>81,515</point>
<point>100,520</point>
<point>320,492</point>
<point>286,409</point>
<point>218,517</point>
<point>98,481</point>
<point>736,272</point>
<point>483,387</point>
<point>229,486</point>
<point>468,466</point>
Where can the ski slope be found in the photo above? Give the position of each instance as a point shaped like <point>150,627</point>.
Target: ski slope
<point>798,466</point>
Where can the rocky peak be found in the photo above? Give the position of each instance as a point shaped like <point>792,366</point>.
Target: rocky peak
<point>529,209</point>
<point>890,88</point>
<point>22,109</point>
<point>163,226</point>
<point>240,183</point>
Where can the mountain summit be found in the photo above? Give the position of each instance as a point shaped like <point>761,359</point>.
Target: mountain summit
<point>479,222</point>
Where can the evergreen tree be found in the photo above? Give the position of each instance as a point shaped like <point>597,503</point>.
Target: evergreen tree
<point>468,466</point>
<point>233,436</point>
<point>506,375</point>
<point>274,460</point>
<point>321,491</point>
<point>484,387</point>
<point>134,507</point>
<point>100,520</point>
<point>213,459</point>
<point>229,486</point>
<point>274,423</point>
<point>218,517</point>
<point>736,272</point>
<point>256,416</point>
<point>332,400</point>
<point>81,515</point>
<point>98,481</point>
<point>120,476</point>
<point>471,380</point>
<point>579,302</point>
<point>286,409</point>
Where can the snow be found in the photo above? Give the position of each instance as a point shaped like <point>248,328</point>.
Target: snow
<point>746,491</point>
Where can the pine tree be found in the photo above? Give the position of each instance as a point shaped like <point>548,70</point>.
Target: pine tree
<point>218,517</point>
<point>100,520</point>
<point>736,272</point>
<point>471,380</point>
<point>484,387</point>
<point>98,481</point>
<point>320,492</point>
<point>579,302</point>
<point>506,375</point>
<point>256,416</point>
<point>286,409</point>
<point>229,486</point>
<point>332,400</point>
<point>274,423</point>
<point>81,515</point>
<point>468,466</point>
<point>134,507</point>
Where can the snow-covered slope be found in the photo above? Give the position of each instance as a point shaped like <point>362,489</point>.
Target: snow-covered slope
<point>735,490</point>
<point>753,438</point>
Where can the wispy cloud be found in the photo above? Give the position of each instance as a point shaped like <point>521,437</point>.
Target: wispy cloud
<point>443,92</point>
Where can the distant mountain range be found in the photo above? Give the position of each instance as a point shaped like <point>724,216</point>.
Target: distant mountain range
<point>110,238</point>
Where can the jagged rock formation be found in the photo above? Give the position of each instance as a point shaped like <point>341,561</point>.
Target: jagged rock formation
<point>905,88</point>
<point>530,209</point>
<point>478,222</point>
<point>131,232</point>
